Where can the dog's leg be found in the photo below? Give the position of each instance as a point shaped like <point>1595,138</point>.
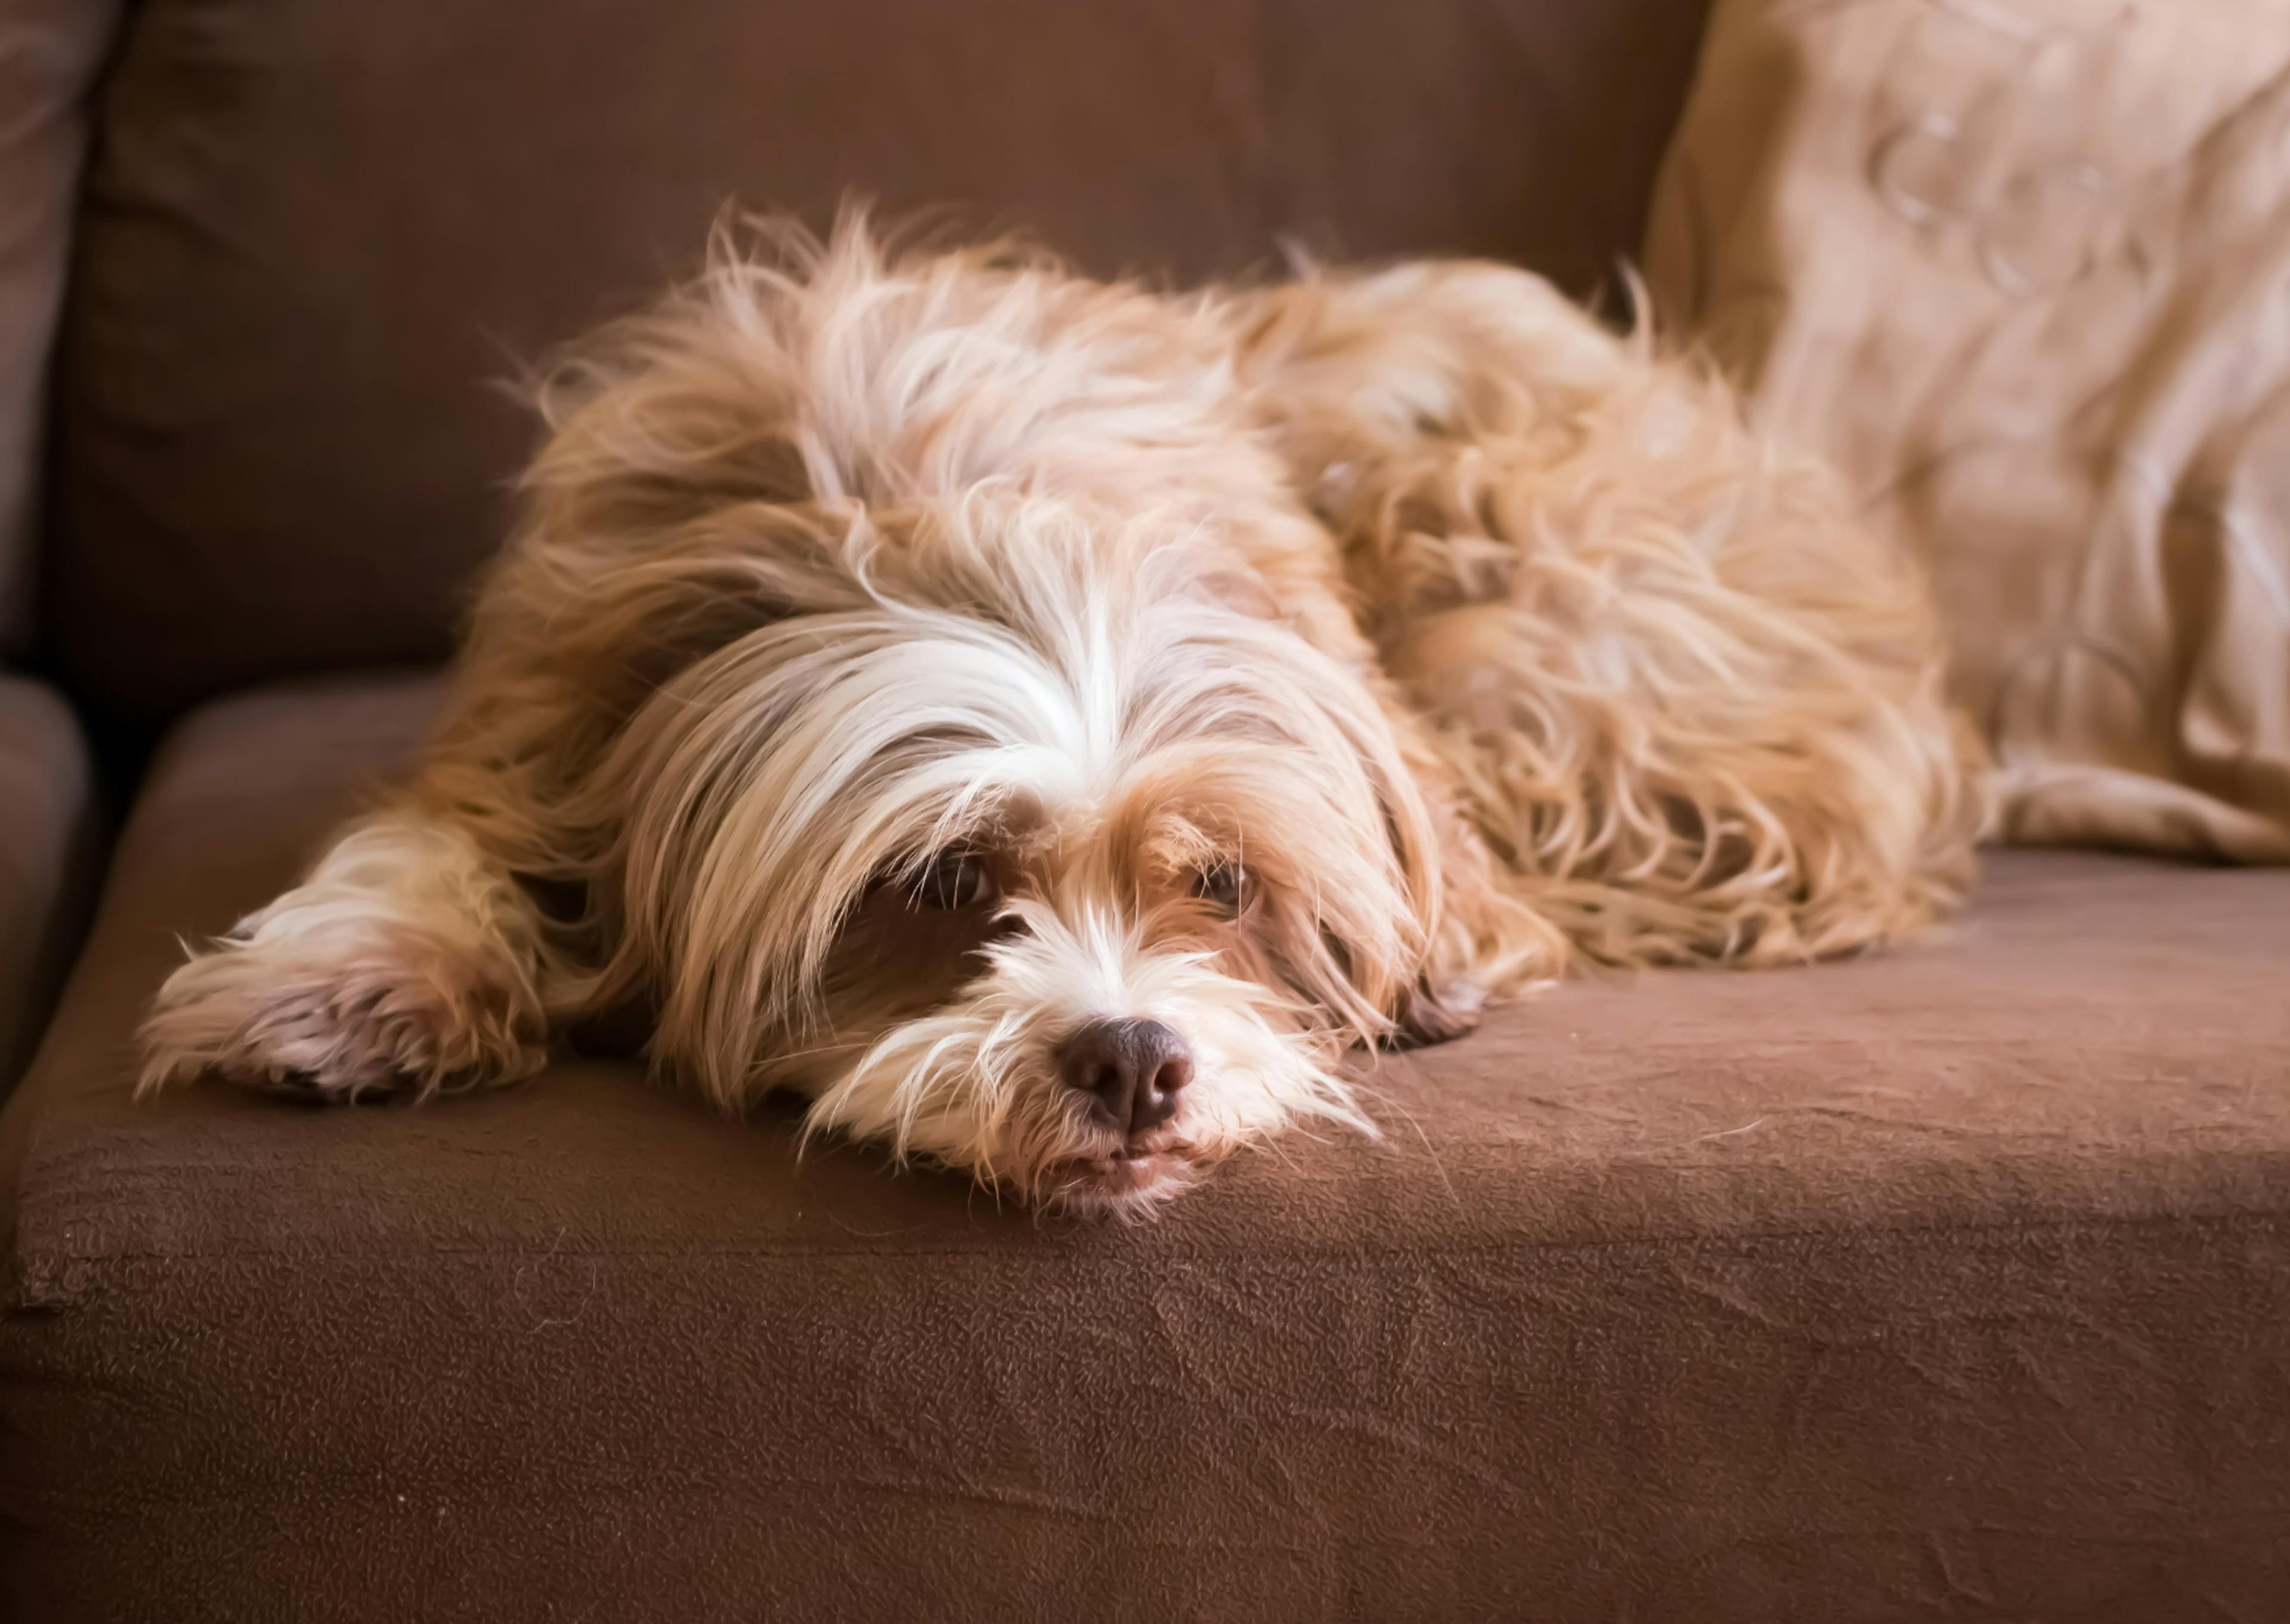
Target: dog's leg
<point>406,961</point>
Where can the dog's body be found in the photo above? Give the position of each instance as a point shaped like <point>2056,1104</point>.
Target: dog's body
<point>1047,723</point>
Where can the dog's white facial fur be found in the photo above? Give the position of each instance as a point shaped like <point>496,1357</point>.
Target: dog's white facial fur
<point>1053,696</point>
<point>1048,724</point>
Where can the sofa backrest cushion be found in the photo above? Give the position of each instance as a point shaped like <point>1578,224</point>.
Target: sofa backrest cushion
<point>49,51</point>
<point>317,233</point>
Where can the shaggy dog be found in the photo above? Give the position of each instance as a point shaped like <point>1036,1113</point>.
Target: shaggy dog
<point>1047,723</point>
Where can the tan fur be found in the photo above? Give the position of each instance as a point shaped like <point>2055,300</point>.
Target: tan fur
<point>1475,637</point>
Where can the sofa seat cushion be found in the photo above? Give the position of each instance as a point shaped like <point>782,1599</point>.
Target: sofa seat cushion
<point>1954,1283</point>
<point>50,840</point>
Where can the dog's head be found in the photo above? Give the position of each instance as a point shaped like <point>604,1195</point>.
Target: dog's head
<point>1016,844</point>
<point>963,773</point>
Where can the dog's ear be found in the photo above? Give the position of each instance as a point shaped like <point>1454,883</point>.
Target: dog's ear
<point>675,506</point>
<point>610,620</point>
<point>750,465</point>
<point>663,425</point>
<point>1478,935</point>
<point>1362,953</point>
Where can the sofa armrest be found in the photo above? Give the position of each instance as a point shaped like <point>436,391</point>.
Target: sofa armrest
<point>52,829</point>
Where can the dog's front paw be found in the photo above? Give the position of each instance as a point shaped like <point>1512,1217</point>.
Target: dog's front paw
<point>335,1026</point>
<point>1438,1014</point>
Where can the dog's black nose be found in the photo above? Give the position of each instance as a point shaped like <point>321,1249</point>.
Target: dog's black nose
<point>1130,1070</point>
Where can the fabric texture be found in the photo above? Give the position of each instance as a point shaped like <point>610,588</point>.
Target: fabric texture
<point>1945,1284</point>
<point>2022,269</point>
<point>319,233</point>
<point>49,50</point>
<point>50,840</point>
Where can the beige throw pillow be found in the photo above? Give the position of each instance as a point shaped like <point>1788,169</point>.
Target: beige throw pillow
<point>2022,269</point>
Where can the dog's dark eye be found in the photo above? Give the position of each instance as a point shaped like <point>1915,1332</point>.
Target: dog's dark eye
<point>1221,883</point>
<point>955,880</point>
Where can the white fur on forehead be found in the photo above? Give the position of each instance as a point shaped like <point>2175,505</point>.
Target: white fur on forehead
<point>1057,666</point>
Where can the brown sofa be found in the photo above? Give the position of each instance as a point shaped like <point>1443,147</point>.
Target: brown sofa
<point>1953,1284</point>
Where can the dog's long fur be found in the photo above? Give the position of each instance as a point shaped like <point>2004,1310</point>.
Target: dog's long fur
<point>1462,638</point>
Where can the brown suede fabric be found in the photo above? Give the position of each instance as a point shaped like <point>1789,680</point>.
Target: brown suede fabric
<point>49,53</point>
<point>317,231</point>
<point>1946,1284</point>
<point>50,842</point>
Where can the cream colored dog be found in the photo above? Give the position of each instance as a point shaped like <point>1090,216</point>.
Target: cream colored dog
<point>1047,723</point>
